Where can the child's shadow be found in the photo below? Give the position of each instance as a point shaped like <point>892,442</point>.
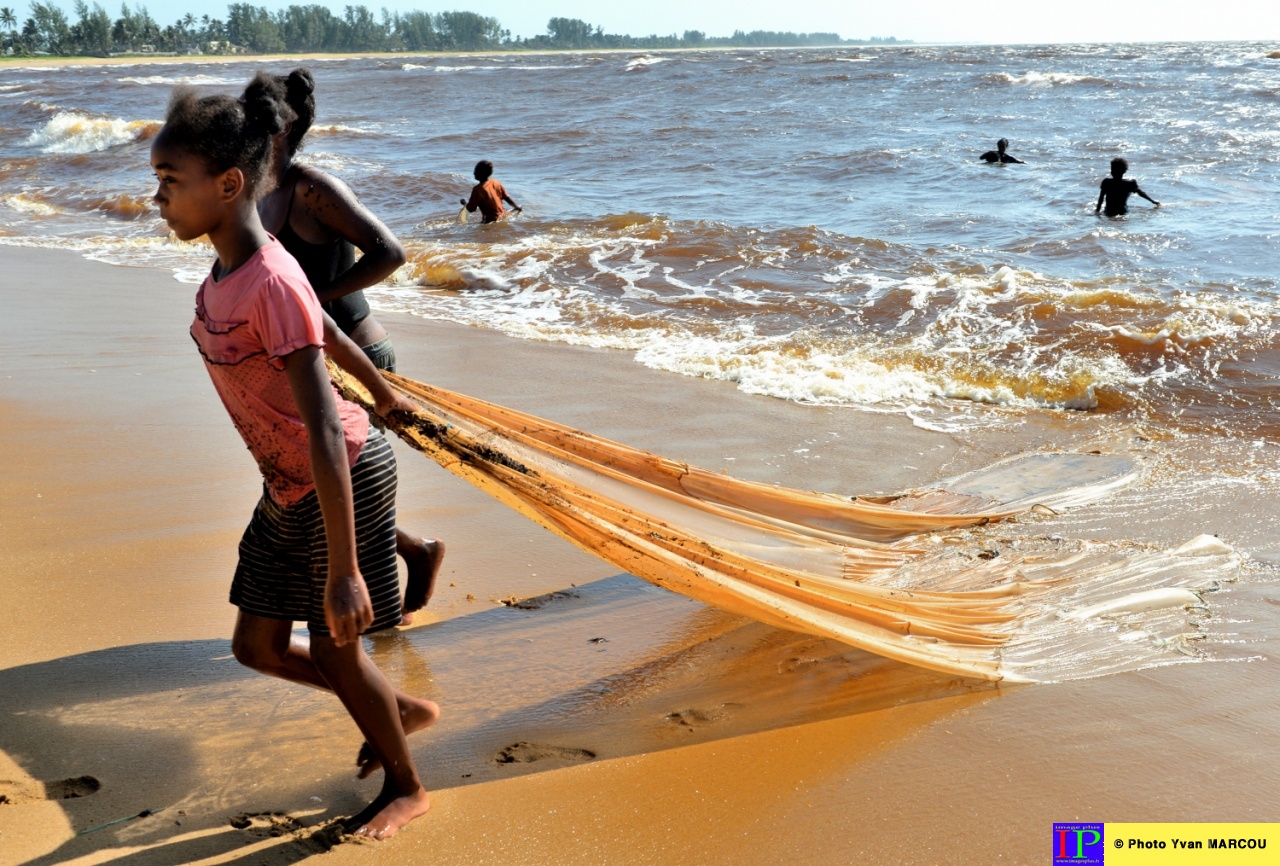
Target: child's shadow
<point>242,762</point>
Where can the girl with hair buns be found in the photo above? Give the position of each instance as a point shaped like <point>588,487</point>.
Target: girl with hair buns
<point>321,223</point>
<point>320,546</point>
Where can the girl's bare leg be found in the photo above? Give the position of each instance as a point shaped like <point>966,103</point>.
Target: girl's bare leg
<point>372,703</point>
<point>267,646</point>
<point>422,560</point>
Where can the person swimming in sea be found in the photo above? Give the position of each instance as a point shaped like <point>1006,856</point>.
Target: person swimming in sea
<point>488,195</point>
<point>999,155</point>
<point>1115,190</point>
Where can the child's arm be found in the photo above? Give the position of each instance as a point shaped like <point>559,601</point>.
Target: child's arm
<point>471,204</point>
<point>347,355</point>
<point>509,200</point>
<point>1139,191</point>
<point>336,208</point>
<point>347,609</point>
<point>1102,193</point>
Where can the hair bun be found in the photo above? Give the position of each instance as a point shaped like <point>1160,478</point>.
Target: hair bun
<point>261,101</point>
<point>300,84</point>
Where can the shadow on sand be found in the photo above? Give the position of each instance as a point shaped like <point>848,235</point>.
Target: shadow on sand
<point>251,770</point>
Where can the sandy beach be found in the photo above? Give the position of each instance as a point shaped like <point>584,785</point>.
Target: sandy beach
<point>265,60</point>
<point>605,721</point>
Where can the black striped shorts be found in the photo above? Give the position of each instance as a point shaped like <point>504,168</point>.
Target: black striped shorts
<point>382,354</point>
<point>284,559</point>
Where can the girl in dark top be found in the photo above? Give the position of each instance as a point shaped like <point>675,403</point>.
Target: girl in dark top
<point>321,223</point>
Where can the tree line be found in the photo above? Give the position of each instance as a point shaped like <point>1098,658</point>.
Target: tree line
<point>92,32</point>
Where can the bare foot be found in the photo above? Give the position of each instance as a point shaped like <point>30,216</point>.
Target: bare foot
<point>419,714</point>
<point>423,559</point>
<point>394,815</point>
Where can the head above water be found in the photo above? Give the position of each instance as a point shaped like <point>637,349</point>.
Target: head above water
<point>1002,145</point>
<point>225,132</point>
<point>1118,167</point>
<point>484,170</point>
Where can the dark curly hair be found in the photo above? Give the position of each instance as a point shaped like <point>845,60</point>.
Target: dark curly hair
<point>227,132</point>
<point>298,88</point>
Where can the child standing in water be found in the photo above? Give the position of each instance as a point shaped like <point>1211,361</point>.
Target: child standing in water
<point>489,194</point>
<point>321,544</point>
<point>1116,190</point>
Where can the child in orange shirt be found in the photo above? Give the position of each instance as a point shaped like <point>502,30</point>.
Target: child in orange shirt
<point>488,195</point>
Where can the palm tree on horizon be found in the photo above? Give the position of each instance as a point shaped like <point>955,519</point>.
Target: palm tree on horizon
<point>9,21</point>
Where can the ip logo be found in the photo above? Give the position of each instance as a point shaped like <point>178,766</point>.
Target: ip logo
<point>1078,844</point>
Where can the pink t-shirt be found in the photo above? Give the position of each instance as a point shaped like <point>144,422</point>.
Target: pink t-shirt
<point>246,323</point>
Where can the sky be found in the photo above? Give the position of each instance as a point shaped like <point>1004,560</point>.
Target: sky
<point>993,21</point>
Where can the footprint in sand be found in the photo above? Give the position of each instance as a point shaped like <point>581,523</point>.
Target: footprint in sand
<point>696,718</point>
<point>527,753</point>
<point>304,840</point>
<point>798,663</point>
<point>266,824</point>
<point>15,793</point>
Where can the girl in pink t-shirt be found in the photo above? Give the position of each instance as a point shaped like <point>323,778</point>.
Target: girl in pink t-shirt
<point>321,544</point>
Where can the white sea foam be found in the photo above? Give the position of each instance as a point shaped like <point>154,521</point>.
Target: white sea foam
<point>170,80</point>
<point>188,261</point>
<point>73,132</point>
<point>529,67</point>
<point>1046,79</point>
<point>523,295</point>
<point>644,62</point>
<point>27,206</point>
<point>335,128</point>
<point>339,163</point>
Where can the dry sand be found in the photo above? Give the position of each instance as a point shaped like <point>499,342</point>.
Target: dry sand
<point>47,61</point>
<point>608,722</point>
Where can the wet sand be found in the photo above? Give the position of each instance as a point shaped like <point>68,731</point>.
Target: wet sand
<point>606,722</point>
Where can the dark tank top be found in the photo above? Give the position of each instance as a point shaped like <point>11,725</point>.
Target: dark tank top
<point>322,263</point>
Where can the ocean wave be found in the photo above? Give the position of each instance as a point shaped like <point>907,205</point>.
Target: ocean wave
<point>28,206</point>
<point>524,67</point>
<point>642,63</point>
<point>73,132</point>
<point>188,261</point>
<point>123,207</point>
<point>340,129</point>
<point>1045,79</point>
<point>170,80</point>
<point>339,163</point>
<point>806,315</point>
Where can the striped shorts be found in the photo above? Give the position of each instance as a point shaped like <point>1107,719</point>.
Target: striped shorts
<point>382,354</point>
<point>284,559</point>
